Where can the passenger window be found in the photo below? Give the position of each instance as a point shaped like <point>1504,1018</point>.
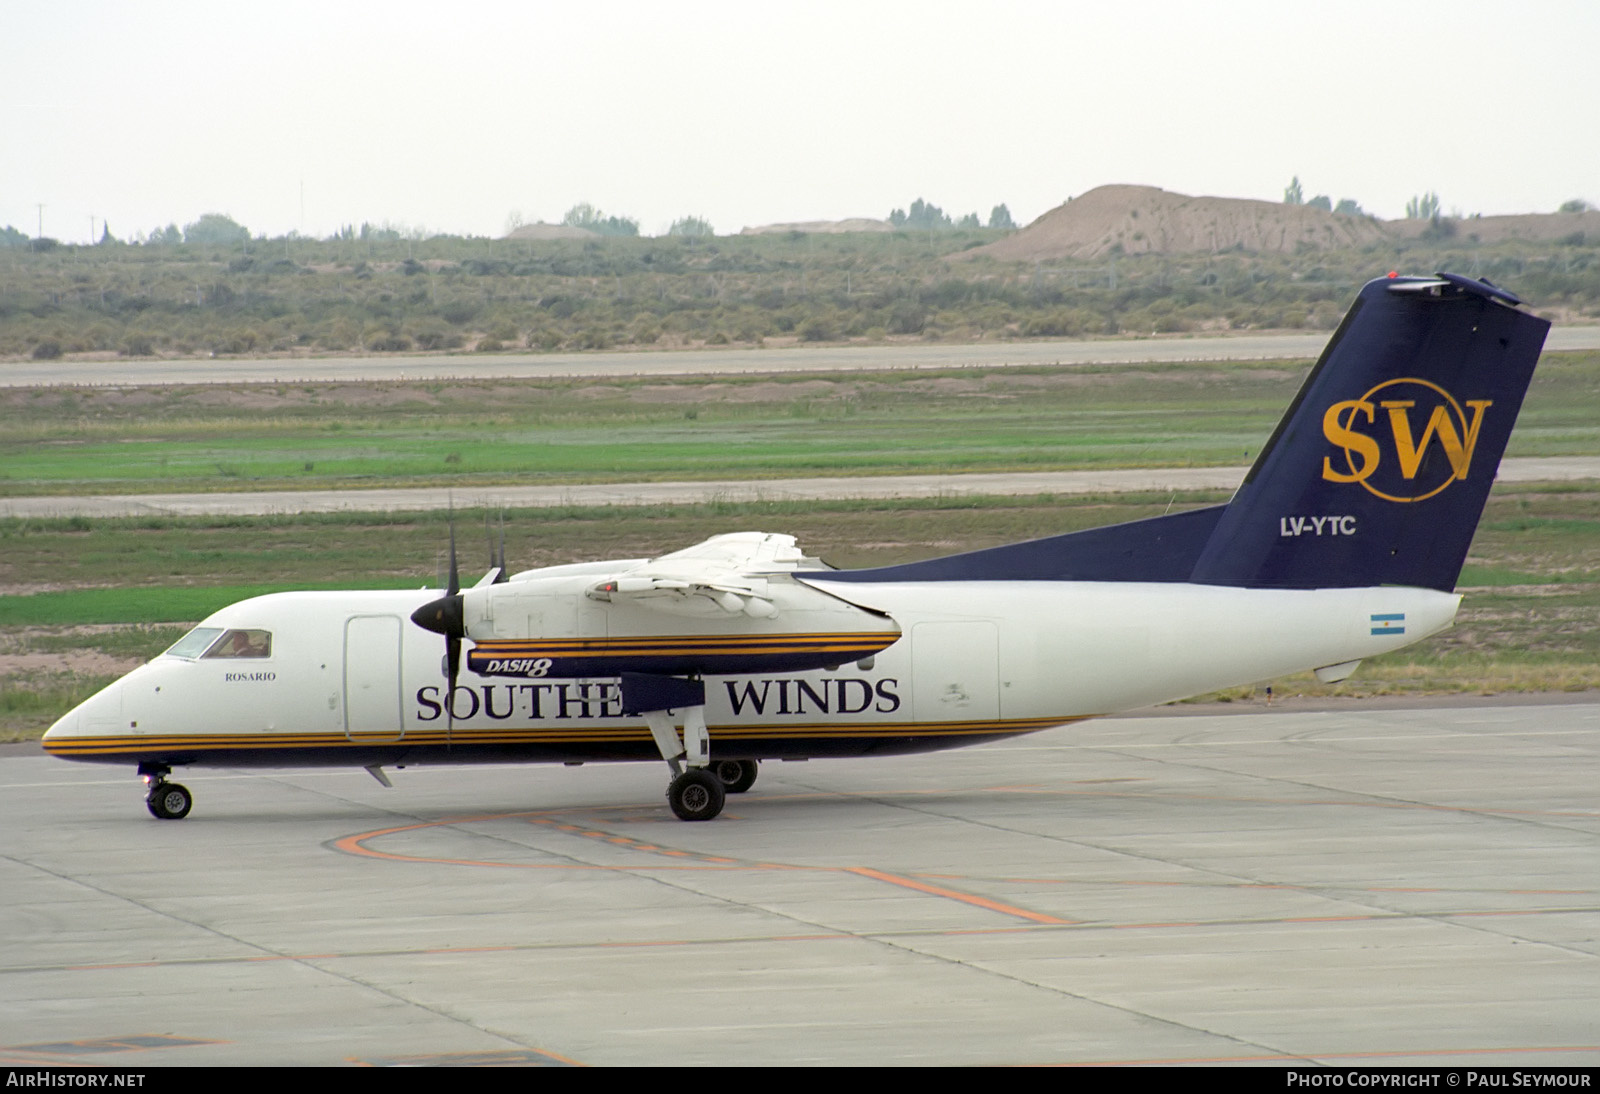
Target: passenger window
<point>242,644</point>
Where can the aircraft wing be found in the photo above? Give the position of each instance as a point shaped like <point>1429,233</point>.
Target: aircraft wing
<point>730,572</point>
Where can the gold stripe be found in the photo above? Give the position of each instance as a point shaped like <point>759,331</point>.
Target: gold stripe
<point>673,638</point>
<point>738,647</point>
<point>825,730</point>
<point>687,642</point>
<point>752,647</point>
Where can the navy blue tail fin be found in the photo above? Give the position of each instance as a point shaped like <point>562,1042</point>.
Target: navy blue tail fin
<point>1379,471</point>
<point>1377,474</point>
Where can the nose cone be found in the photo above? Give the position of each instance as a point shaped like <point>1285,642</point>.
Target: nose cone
<point>98,716</point>
<point>69,724</point>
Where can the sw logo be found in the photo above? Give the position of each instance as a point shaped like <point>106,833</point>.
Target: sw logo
<point>1390,410</point>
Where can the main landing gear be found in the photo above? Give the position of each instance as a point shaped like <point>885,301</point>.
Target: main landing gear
<point>695,794</point>
<point>699,792</point>
<point>698,787</point>
<point>166,801</point>
<point>737,775</point>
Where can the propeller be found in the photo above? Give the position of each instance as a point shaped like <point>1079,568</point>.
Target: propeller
<point>447,616</point>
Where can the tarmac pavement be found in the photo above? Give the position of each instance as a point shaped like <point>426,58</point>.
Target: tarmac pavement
<point>1352,887</point>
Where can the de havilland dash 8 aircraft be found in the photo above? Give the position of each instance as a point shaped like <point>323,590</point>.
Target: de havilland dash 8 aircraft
<point>1344,541</point>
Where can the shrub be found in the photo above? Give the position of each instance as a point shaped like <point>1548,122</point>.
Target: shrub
<point>1063,322</point>
<point>907,317</point>
<point>815,329</point>
<point>239,341</point>
<point>459,311</point>
<point>137,344</point>
<point>431,334</point>
<point>48,350</point>
<point>385,342</point>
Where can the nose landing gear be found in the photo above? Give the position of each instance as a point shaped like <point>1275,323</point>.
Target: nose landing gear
<point>169,801</point>
<point>166,801</point>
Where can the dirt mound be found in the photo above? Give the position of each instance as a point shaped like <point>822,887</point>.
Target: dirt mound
<point>826,227</point>
<point>551,231</point>
<point>1545,227</point>
<point>1141,219</point>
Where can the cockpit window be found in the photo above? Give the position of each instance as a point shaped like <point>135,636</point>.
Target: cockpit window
<point>195,642</point>
<point>242,643</point>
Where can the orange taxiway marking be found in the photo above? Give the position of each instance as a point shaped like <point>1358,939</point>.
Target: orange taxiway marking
<point>357,845</point>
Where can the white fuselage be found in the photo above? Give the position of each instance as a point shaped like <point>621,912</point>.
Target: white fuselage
<point>351,679</point>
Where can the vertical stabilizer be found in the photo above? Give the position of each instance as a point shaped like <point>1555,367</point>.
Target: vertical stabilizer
<point>1379,471</point>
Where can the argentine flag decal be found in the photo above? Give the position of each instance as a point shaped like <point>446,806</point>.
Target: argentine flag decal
<point>1389,623</point>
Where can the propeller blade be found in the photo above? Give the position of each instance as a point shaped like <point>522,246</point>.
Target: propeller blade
<point>500,563</point>
<point>452,657</point>
<point>455,572</point>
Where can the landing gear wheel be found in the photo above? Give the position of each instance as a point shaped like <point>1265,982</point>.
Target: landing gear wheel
<point>696,795</point>
<point>169,801</point>
<point>737,775</point>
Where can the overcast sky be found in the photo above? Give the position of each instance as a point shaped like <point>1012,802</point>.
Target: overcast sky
<point>293,116</point>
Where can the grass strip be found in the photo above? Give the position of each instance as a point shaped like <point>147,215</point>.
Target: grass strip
<point>77,607</point>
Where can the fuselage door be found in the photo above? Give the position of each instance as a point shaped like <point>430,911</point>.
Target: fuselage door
<point>372,709</point>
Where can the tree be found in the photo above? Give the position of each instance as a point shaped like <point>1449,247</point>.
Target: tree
<point>1000,217</point>
<point>584,215</point>
<point>1321,201</point>
<point>215,228</point>
<point>969,221</point>
<point>922,215</point>
<point>691,226</point>
<point>580,215</point>
<point>10,237</point>
<point>1576,205</point>
<point>1292,194</point>
<point>169,234</point>
<point>1349,207</point>
<point>1423,207</point>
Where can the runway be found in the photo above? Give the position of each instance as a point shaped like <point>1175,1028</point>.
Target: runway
<point>1013,484</point>
<point>1349,887</point>
<point>466,366</point>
